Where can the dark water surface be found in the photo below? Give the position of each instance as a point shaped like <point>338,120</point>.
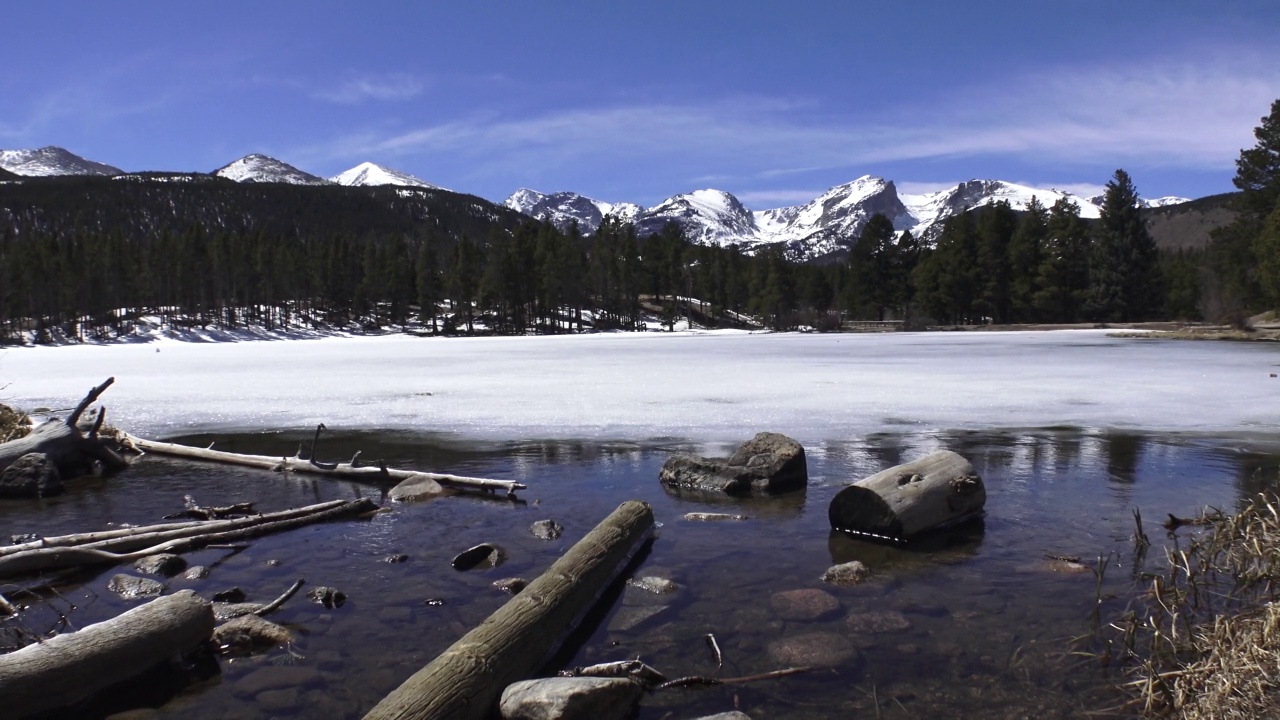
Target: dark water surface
<point>988,619</point>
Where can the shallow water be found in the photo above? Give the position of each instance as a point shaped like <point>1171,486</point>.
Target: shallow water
<point>989,623</point>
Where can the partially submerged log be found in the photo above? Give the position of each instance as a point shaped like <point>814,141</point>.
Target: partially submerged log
<point>467,680</point>
<point>353,469</point>
<point>189,536</point>
<point>936,491</point>
<point>68,668</point>
<point>71,451</point>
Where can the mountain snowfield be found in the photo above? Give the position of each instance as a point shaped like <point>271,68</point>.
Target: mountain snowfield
<point>818,228</point>
<point>822,226</point>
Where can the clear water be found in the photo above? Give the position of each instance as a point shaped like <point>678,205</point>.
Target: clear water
<point>990,622</point>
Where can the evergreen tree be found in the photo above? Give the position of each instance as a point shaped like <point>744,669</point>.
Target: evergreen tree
<point>1063,276</point>
<point>1026,253</point>
<point>1125,280</point>
<point>996,226</point>
<point>1258,168</point>
<point>873,269</point>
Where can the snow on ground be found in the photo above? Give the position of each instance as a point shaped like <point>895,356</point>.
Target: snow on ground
<point>641,386</point>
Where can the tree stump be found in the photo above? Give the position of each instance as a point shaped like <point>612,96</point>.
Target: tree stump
<point>934,492</point>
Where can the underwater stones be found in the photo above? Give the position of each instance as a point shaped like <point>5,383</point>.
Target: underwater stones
<point>132,588</point>
<point>850,573</point>
<point>511,585</point>
<point>881,621</point>
<point>250,633</point>
<point>164,565</point>
<point>570,698</point>
<point>329,597</point>
<point>546,529</point>
<point>630,617</point>
<point>276,677</point>
<point>804,604</point>
<point>767,463</point>
<point>817,649</point>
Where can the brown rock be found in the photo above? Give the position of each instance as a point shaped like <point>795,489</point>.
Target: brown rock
<point>878,622</point>
<point>804,604</point>
<point>820,649</point>
<point>850,573</point>
<point>767,463</point>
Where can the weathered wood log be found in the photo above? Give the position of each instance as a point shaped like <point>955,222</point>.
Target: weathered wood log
<point>518,639</point>
<point>298,464</point>
<point>40,559</point>
<point>68,668</point>
<point>936,491</point>
<point>70,450</point>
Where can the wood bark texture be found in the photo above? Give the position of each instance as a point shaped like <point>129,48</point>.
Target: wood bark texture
<point>467,680</point>
<point>297,464</point>
<point>68,668</point>
<point>936,491</point>
<point>72,451</point>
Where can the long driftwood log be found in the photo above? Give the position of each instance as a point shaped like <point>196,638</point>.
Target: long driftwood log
<point>936,491</point>
<point>36,557</point>
<point>351,469</point>
<point>68,668</point>
<point>467,680</point>
<point>70,450</point>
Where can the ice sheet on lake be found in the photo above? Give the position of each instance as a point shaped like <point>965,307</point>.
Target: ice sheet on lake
<point>706,387</point>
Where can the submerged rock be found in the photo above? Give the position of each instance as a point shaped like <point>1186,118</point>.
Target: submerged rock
<point>819,649</point>
<point>511,585</point>
<point>327,596</point>
<point>31,476</point>
<point>546,529</point>
<point>248,634</point>
<point>131,588</point>
<point>767,463</point>
<point>655,585</point>
<point>164,565</point>
<point>881,621</point>
<point>570,698</point>
<point>850,573</point>
<point>484,555</point>
<point>804,604</point>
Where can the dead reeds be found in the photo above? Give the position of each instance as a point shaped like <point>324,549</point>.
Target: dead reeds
<point>1203,638</point>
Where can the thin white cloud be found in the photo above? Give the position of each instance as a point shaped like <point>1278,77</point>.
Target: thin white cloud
<point>355,90</point>
<point>1157,114</point>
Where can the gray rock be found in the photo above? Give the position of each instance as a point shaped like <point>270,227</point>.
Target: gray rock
<point>131,588</point>
<point>416,488</point>
<point>196,572</point>
<point>248,634</point>
<point>731,715</point>
<point>327,596</point>
<point>484,555</point>
<point>767,463</point>
<point>653,584</point>
<point>850,573</point>
<point>282,700</point>
<point>804,604</point>
<point>630,617</point>
<point>570,698</point>
<point>820,649</point>
<point>31,476</point>
<point>546,529</point>
<point>164,565</point>
<point>712,517</point>
<point>276,677</point>
<point>511,585</point>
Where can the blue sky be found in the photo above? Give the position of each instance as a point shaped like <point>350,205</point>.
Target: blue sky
<point>627,101</point>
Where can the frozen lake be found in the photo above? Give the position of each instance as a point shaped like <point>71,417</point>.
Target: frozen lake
<point>638,387</point>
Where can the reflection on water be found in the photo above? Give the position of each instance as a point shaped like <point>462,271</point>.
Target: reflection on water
<point>971,623</point>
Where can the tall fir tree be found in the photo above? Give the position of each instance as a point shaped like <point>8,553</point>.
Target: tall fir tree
<point>1125,284</point>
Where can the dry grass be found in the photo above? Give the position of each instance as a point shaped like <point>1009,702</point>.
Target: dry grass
<point>13,424</point>
<point>1204,640</point>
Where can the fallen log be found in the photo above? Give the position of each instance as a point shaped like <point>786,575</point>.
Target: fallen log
<point>467,680</point>
<point>50,558</point>
<point>71,451</point>
<point>352,470</point>
<point>69,668</point>
<point>936,491</point>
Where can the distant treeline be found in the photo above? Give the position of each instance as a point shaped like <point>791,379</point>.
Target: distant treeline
<point>84,257</point>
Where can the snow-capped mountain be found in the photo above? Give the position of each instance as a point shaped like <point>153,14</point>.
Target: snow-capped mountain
<point>1165,201</point>
<point>815,229</point>
<point>52,161</point>
<point>263,169</point>
<point>563,208</point>
<point>368,173</point>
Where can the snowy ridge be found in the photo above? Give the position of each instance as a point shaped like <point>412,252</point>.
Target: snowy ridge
<point>50,161</point>
<point>818,228</point>
<point>562,209</point>
<point>369,174</point>
<point>263,169</point>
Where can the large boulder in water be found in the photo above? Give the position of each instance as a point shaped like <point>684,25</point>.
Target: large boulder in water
<point>30,476</point>
<point>767,463</point>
